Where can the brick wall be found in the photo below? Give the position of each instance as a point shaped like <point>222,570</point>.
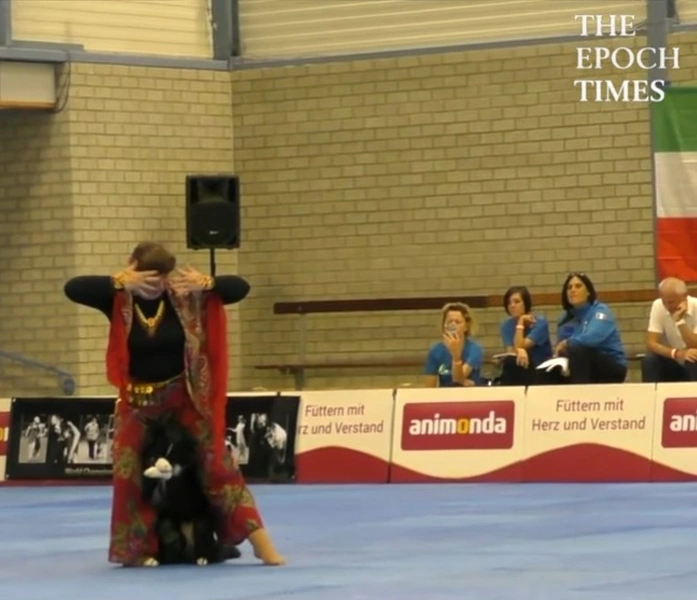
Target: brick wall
<point>82,187</point>
<point>443,174</point>
<point>37,249</point>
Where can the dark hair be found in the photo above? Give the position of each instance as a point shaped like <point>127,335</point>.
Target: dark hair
<point>151,256</point>
<point>566,305</point>
<point>524,296</point>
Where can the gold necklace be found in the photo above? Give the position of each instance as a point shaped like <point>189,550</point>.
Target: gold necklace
<point>150,324</point>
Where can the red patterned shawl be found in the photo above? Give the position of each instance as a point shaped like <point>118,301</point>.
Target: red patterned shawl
<point>204,322</point>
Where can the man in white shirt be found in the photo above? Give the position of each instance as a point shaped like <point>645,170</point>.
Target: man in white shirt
<point>671,340</point>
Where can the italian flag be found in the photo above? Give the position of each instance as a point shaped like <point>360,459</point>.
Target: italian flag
<point>675,160</point>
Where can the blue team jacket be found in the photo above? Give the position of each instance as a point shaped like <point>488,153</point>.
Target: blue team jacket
<point>594,326</point>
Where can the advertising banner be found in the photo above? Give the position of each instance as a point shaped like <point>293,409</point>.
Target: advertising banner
<point>458,434</point>
<point>577,433</point>
<point>261,434</point>
<point>675,437</point>
<point>344,436</point>
<point>71,438</point>
<point>60,438</point>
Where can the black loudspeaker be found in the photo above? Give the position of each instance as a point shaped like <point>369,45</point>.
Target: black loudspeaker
<point>212,211</point>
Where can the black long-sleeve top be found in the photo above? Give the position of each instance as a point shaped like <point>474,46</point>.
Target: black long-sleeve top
<point>160,357</point>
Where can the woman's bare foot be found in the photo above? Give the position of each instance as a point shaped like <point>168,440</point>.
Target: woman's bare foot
<point>148,561</point>
<point>273,559</point>
<point>264,549</point>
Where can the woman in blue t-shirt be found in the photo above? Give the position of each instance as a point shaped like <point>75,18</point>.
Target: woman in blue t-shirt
<point>526,336</point>
<point>457,359</point>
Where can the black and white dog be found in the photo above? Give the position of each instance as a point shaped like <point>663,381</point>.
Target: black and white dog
<point>172,485</point>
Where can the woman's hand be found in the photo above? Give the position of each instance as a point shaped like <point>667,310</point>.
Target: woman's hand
<point>188,281</point>
<point>521,358</point>
<point>454,343</point>
<point>560,348</point>
<point>526,320</point>
<point>146,282</point>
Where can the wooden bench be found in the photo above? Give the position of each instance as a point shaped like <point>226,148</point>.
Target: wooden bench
<point>297,370</point>
<point>303,308</point>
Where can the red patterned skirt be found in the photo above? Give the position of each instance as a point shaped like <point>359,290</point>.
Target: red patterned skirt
<point>133,536</point>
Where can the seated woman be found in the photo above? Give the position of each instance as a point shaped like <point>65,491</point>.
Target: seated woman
<point>457,359</point>
<point>527,336</point>
<point>588,335</point>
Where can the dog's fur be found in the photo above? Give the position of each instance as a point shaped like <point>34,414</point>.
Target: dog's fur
<point>172,485</point>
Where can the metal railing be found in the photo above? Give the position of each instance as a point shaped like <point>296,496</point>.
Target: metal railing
<point>66,381</point>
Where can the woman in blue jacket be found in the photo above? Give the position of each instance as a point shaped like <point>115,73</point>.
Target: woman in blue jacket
<point>587,334</point>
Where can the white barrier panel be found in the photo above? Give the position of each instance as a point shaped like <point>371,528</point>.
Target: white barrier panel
<point>5,405</point>
<point>675,437</point>
<point>344,436</point>
<point>588,433</point>
<point>457,434</point>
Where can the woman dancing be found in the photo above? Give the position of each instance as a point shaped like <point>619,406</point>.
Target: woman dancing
<point>167,353</point>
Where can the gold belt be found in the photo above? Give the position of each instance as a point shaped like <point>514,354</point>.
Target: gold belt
<point>149,394</point>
